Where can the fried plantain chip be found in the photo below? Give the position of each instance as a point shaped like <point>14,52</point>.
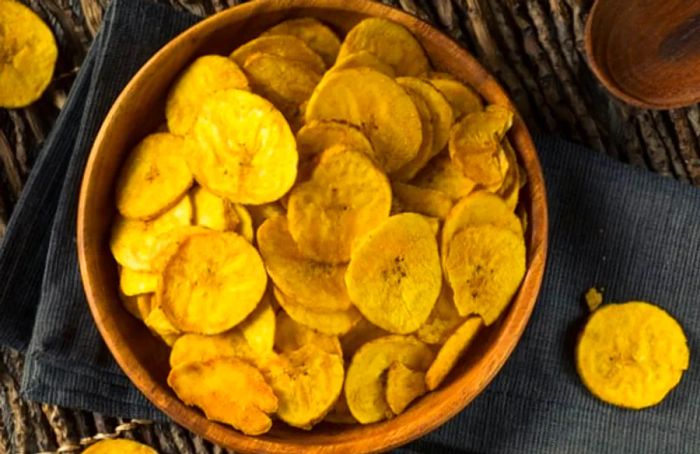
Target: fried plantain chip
<point>363,59</point>
<point>227,390</point>
<point>153,178</point>
<point>451,351</point>
<point>291,336</point>
<point>286,83</point>
<point>132,282</point>
<point>594,299</point>
<point>364,385</point>
<point>28,55</point>
<point>388,41</point>
<point>631,354</point>
<point>462,98</point>
<point>245,228</point>
<point>135,244</point>
<point>213,212</point>
<point>484,266</point>
<point>119,446</point>
<point>440,174</point>
<point>307,383</point>
<point>443,319</point>
<point>167,243</point>
<point>197,348</point>
<point>334,323</point>
<point>312,284</point>
<point>241,148</point>
<point>346,197</point>
<point>211,283</point>
<point>161,326</point>
<point>316,35</point>
<point>318,136</point>
<point>261,213</point>
<point>510,190</point>
<point>377,105</point>
<point>139,305</point>
<point>260,327</point>
<point>394,275</point>
<point>285,46</point>
<point>403,386</point>
<point>340,413</point>
<point>428,202</point>
<point>425,152</point>
<point>206,76</point>
<point>359,335</point>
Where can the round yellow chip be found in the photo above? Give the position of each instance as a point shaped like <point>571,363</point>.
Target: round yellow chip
<point>442,175</point>
<point>394,276</point>
<point>631,354</point>
<point>286,83</point>
<point>205,77</point>
<point>425,152</point>
<point>346,197</point>
<point>377,105</point>
<point>153,178</point>
<point>119,447</point>
<point>463,99</point>
<point>284,46</point>
<point>334,323</point>
<point>212,283</point>
<point>443,319</point>
<point>213,212</point>
<point>451,351</point>
<point>132,282</point>
<point>388,41</point>
<point>307,383</point>
<point>484,266</point>
<point>291,336</point>
<point>227,390</point>
<point>161,326</point>
<point>317,36</point>
<point>428,202</point>
<point>365,390</point>
<point>363,59</point>
<point>403,386</point>
<point>241,148</point>
<point>28,55</point>
<point>135,244</point>
<point>318,136</point>
<point>197,348</point>
<point>260,327</point>
<point>315,285</point>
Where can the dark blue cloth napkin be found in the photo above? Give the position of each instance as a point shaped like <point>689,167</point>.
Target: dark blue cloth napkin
<point>613,226</point>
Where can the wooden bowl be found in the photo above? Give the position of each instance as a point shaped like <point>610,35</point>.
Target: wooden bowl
<point>144,359</point>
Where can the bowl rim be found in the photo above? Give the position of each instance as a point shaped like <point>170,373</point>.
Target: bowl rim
<point>455,395</point>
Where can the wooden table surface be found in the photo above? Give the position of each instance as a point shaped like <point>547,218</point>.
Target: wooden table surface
<point>534,47</point>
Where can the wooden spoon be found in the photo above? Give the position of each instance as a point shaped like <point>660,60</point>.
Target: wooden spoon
<point>646,52</point>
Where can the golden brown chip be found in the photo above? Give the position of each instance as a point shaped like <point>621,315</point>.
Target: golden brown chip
<point>631,354</point>
<point>316,35</point>
<point>462,98</point>
<point>135,244</point>
<point>364,385</point>
<point>394,276</point>
<point>388,41</point>
<point>315,285</point>
<point>285,83</point>
<point>475,145</point>
<point>227,390</point>
<point>363,59</point>
<point>161,326</point>
<point>334,323</point>
<point>213,212</point>
<point>346,197</point>
<point>212,283</point>
<point>403,386</point>
<point>139,306</point>
<point>440,174</point>
<point>241,148</point>
<point>119,446</point>
<point>153,178</point>
<point>443,319</point>
<point>291,336</point>
<point>132,282</point>
<point>484,266</point>
<point>284,46</point>
<point>594,298</point>
<point>428,202</point>
<point>318,136</point>
<point>340,413</point>
<point>206,76</point>
<point>167,243</point>
<point>197,348</point>
<point>307,383</point>
<point>425,152</point>
<point>377,105</point>
<point>260,327</point>
<point>510,190</point>
<point>28,55</point>
<point>359,335</point>
<point>451,351</point>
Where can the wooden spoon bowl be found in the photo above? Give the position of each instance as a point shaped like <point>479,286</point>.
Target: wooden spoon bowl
<point>646,52</point>
<point>139,110</point>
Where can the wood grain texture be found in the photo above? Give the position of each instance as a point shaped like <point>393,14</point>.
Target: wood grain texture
<point>666,142</point>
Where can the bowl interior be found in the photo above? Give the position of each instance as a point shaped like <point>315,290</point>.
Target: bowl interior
<point>139,110</point>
